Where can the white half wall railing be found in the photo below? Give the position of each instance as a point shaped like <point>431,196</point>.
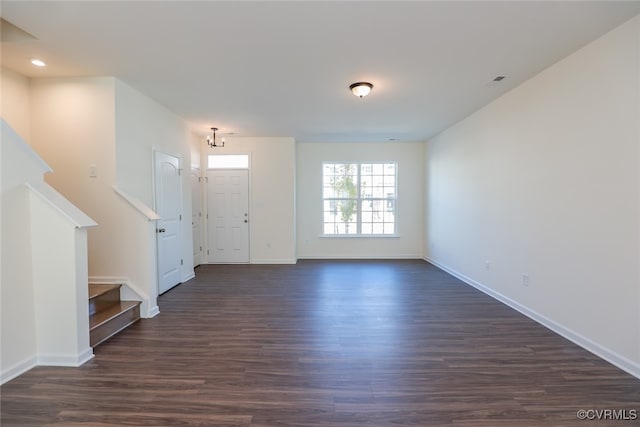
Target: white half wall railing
<point>60,277</point>
<point>44,298</point>
<point>136,265</point>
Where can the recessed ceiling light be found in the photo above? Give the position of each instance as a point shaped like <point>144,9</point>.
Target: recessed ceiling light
<point>38,62</point>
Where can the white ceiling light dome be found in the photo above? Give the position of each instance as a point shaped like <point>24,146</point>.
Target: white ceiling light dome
<point>361,89</point>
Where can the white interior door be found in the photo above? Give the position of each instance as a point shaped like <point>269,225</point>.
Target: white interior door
<point>196,215</point>
<point>169,229</point>
<point>228,216</point>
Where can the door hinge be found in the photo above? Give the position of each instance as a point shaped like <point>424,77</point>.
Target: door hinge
<point>199,213</point>
<point>179,172</point>
<point>207,251</point>
<point>180,217</point>
<point>199,179</point>
<point>206,179</point>
<point>200,248</point>
<point>181,262</point>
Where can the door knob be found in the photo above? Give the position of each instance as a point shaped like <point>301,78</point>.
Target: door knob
<point>246,220</point>
<point>161,230</point>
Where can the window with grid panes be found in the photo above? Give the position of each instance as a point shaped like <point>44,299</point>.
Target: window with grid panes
<point>359,198</point>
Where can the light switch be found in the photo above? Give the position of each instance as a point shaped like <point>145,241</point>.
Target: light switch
<point>93,171</point>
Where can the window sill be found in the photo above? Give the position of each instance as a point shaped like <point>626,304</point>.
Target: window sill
<point>358,236</point>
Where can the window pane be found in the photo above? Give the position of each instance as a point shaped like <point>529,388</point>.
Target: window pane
<point>329,192</point>
<point>341,228</point>
<point>228,161</point>
<point>390,169</point>
<point>329,169</point>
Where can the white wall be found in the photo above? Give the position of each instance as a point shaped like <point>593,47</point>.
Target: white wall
<point>44,257</point>
<point>79,123</point>
<point>197,197</point>
<point>14,105</point>
<point>73,128</point>
<point>271,195</point>
<point>410,203</point>
<point>545,182</point>
<point>143,125</point>
<point>18,332</point>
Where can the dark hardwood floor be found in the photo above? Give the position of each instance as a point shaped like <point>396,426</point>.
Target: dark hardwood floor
<point>326,343</point>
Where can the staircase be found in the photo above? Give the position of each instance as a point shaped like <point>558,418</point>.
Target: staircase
<point>107,314</point>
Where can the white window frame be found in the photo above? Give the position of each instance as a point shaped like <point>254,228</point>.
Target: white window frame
<point>359,200</point>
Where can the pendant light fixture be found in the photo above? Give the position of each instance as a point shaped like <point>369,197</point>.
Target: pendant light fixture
<point>361,89</point>
<point>211,140</point>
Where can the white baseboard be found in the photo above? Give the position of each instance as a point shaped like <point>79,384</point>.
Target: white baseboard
<point>189,276</point>
<point>108,280</point>
<point>18,369</point>
<point>610,356</point>
<point>379,257</point>
<point>273,261</point>
<point>152,312</point>
<point>71,360</point>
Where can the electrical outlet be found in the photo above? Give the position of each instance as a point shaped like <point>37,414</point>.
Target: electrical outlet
<point>525,279</point>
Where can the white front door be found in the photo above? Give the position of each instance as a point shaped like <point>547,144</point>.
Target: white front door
<point>196,215</point>
<point>228,216</point>
<point>169,227</point>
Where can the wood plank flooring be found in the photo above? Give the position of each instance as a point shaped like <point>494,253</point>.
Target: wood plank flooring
<point>326,343</point>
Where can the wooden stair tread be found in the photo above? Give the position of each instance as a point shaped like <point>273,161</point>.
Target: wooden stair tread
<point>97,289</point>
<point>108,315</point>
<point>103,316</point>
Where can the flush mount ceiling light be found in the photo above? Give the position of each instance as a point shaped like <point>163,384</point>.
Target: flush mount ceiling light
<point>211,140</point>
<point>38,62</point>
<point>361,89</point>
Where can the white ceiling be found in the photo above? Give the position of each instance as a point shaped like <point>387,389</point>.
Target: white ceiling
<point>283,68</point>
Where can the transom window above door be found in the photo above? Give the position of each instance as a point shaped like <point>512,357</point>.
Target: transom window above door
<point>359,199</point>
<point>228,161</point>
